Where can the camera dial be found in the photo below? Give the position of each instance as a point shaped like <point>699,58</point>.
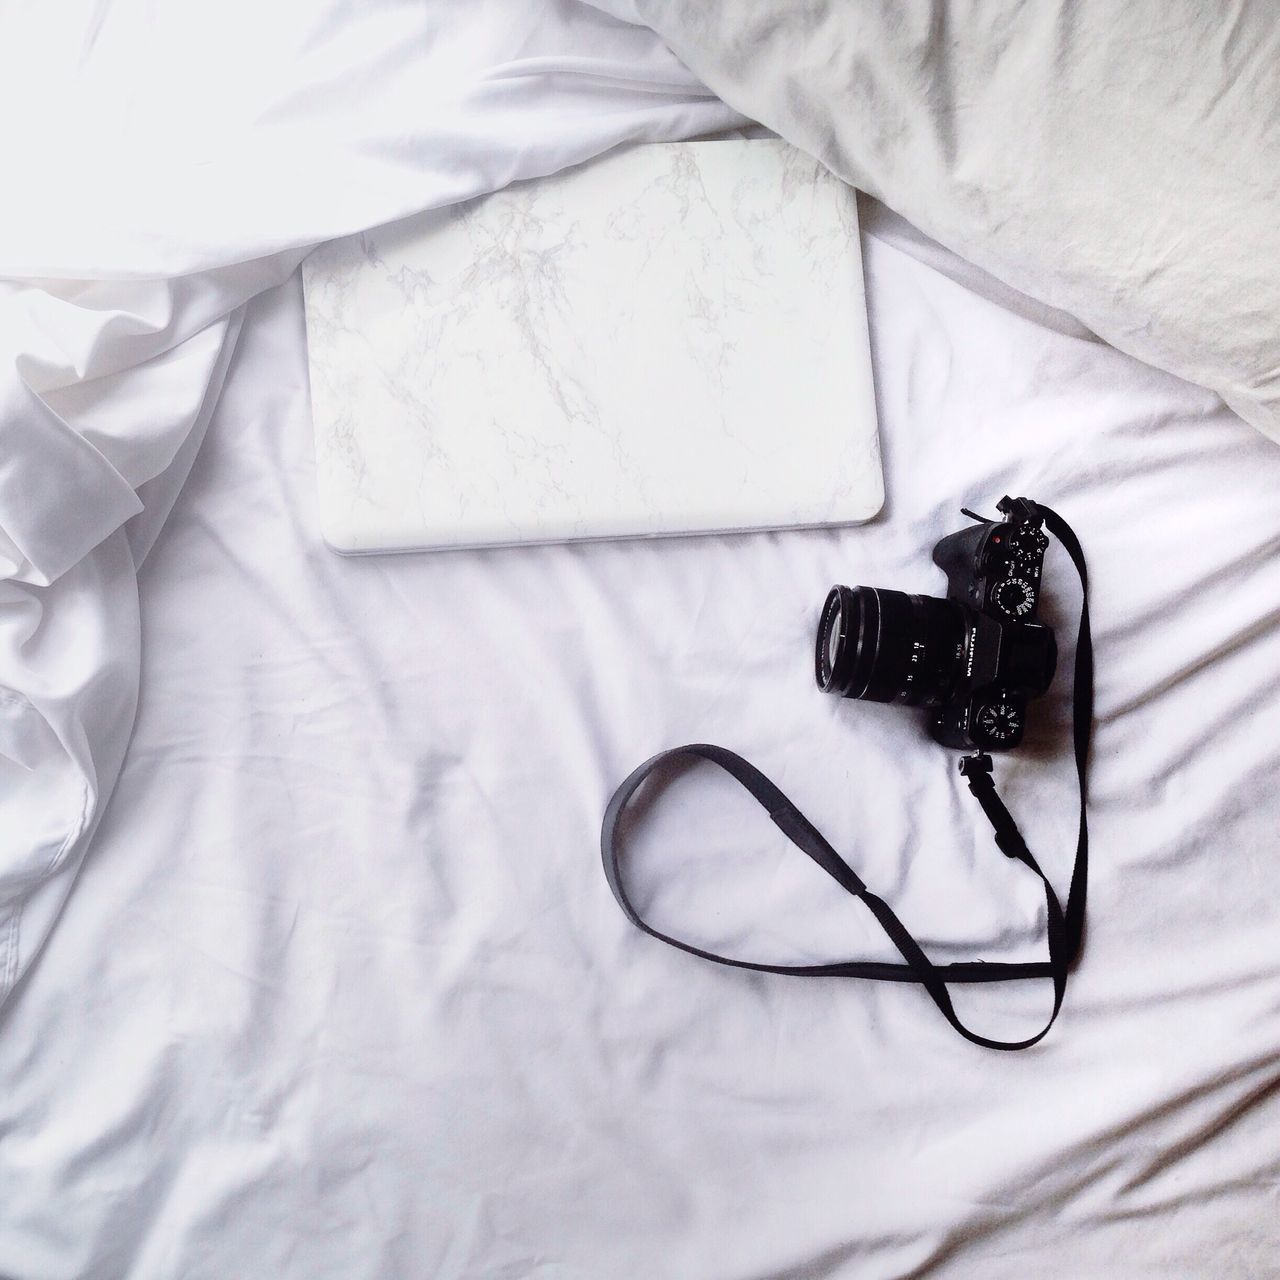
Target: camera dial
<point>1026,546</point>
<point>1000,721</point>
<point>1013,596</point>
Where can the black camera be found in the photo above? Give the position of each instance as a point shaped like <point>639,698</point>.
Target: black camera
<point>975,659</point>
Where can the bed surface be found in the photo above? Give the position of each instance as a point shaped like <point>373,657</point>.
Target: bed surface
<point>341,990</point>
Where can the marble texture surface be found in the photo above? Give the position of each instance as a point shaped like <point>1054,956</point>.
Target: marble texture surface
<point>671,339</point>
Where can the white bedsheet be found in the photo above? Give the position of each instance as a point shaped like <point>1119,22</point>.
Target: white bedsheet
<point>183,164</point>
<point>340,989</point>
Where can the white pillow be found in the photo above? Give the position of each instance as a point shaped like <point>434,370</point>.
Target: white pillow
<point>1120,161</point>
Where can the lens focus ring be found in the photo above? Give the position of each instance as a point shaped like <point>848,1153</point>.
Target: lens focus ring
<point>887,646</point>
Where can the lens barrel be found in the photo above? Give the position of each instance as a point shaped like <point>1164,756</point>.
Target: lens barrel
<point>887,646</point>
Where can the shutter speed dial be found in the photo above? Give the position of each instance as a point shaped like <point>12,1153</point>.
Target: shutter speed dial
<point>1013,596</point>
<point>999,722</point>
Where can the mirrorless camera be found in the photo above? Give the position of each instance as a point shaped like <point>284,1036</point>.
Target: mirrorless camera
<point>975,659</point>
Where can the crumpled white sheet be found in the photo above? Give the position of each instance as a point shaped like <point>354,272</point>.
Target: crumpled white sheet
<point>165,203</point>
<point>341,990</point>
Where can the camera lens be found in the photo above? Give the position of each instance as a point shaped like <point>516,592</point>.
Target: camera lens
<point>887,646</point>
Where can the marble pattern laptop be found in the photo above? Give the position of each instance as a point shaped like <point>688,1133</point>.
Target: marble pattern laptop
<point>669,339</point>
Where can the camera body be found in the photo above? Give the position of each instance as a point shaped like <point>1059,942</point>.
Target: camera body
<point>975,659</point>
<point>993,572</point>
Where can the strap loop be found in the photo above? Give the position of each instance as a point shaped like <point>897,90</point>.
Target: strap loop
<point>978,775</point>
<point>1065,928</point>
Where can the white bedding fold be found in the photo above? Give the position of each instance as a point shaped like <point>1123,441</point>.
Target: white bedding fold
<point>169,206</point>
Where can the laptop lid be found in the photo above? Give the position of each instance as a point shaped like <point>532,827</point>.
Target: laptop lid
<point>670,339</point>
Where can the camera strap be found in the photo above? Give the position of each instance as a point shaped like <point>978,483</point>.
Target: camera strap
<point>1065,926</point>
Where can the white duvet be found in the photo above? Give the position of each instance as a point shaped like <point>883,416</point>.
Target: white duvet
<point>340,989</point>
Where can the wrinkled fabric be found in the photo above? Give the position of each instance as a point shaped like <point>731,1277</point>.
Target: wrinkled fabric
<point>130,265</point>
<point>1119,162</point>
<point>341,989</point>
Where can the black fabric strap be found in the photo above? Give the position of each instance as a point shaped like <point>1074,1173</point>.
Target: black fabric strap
<point>1065,927</point>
